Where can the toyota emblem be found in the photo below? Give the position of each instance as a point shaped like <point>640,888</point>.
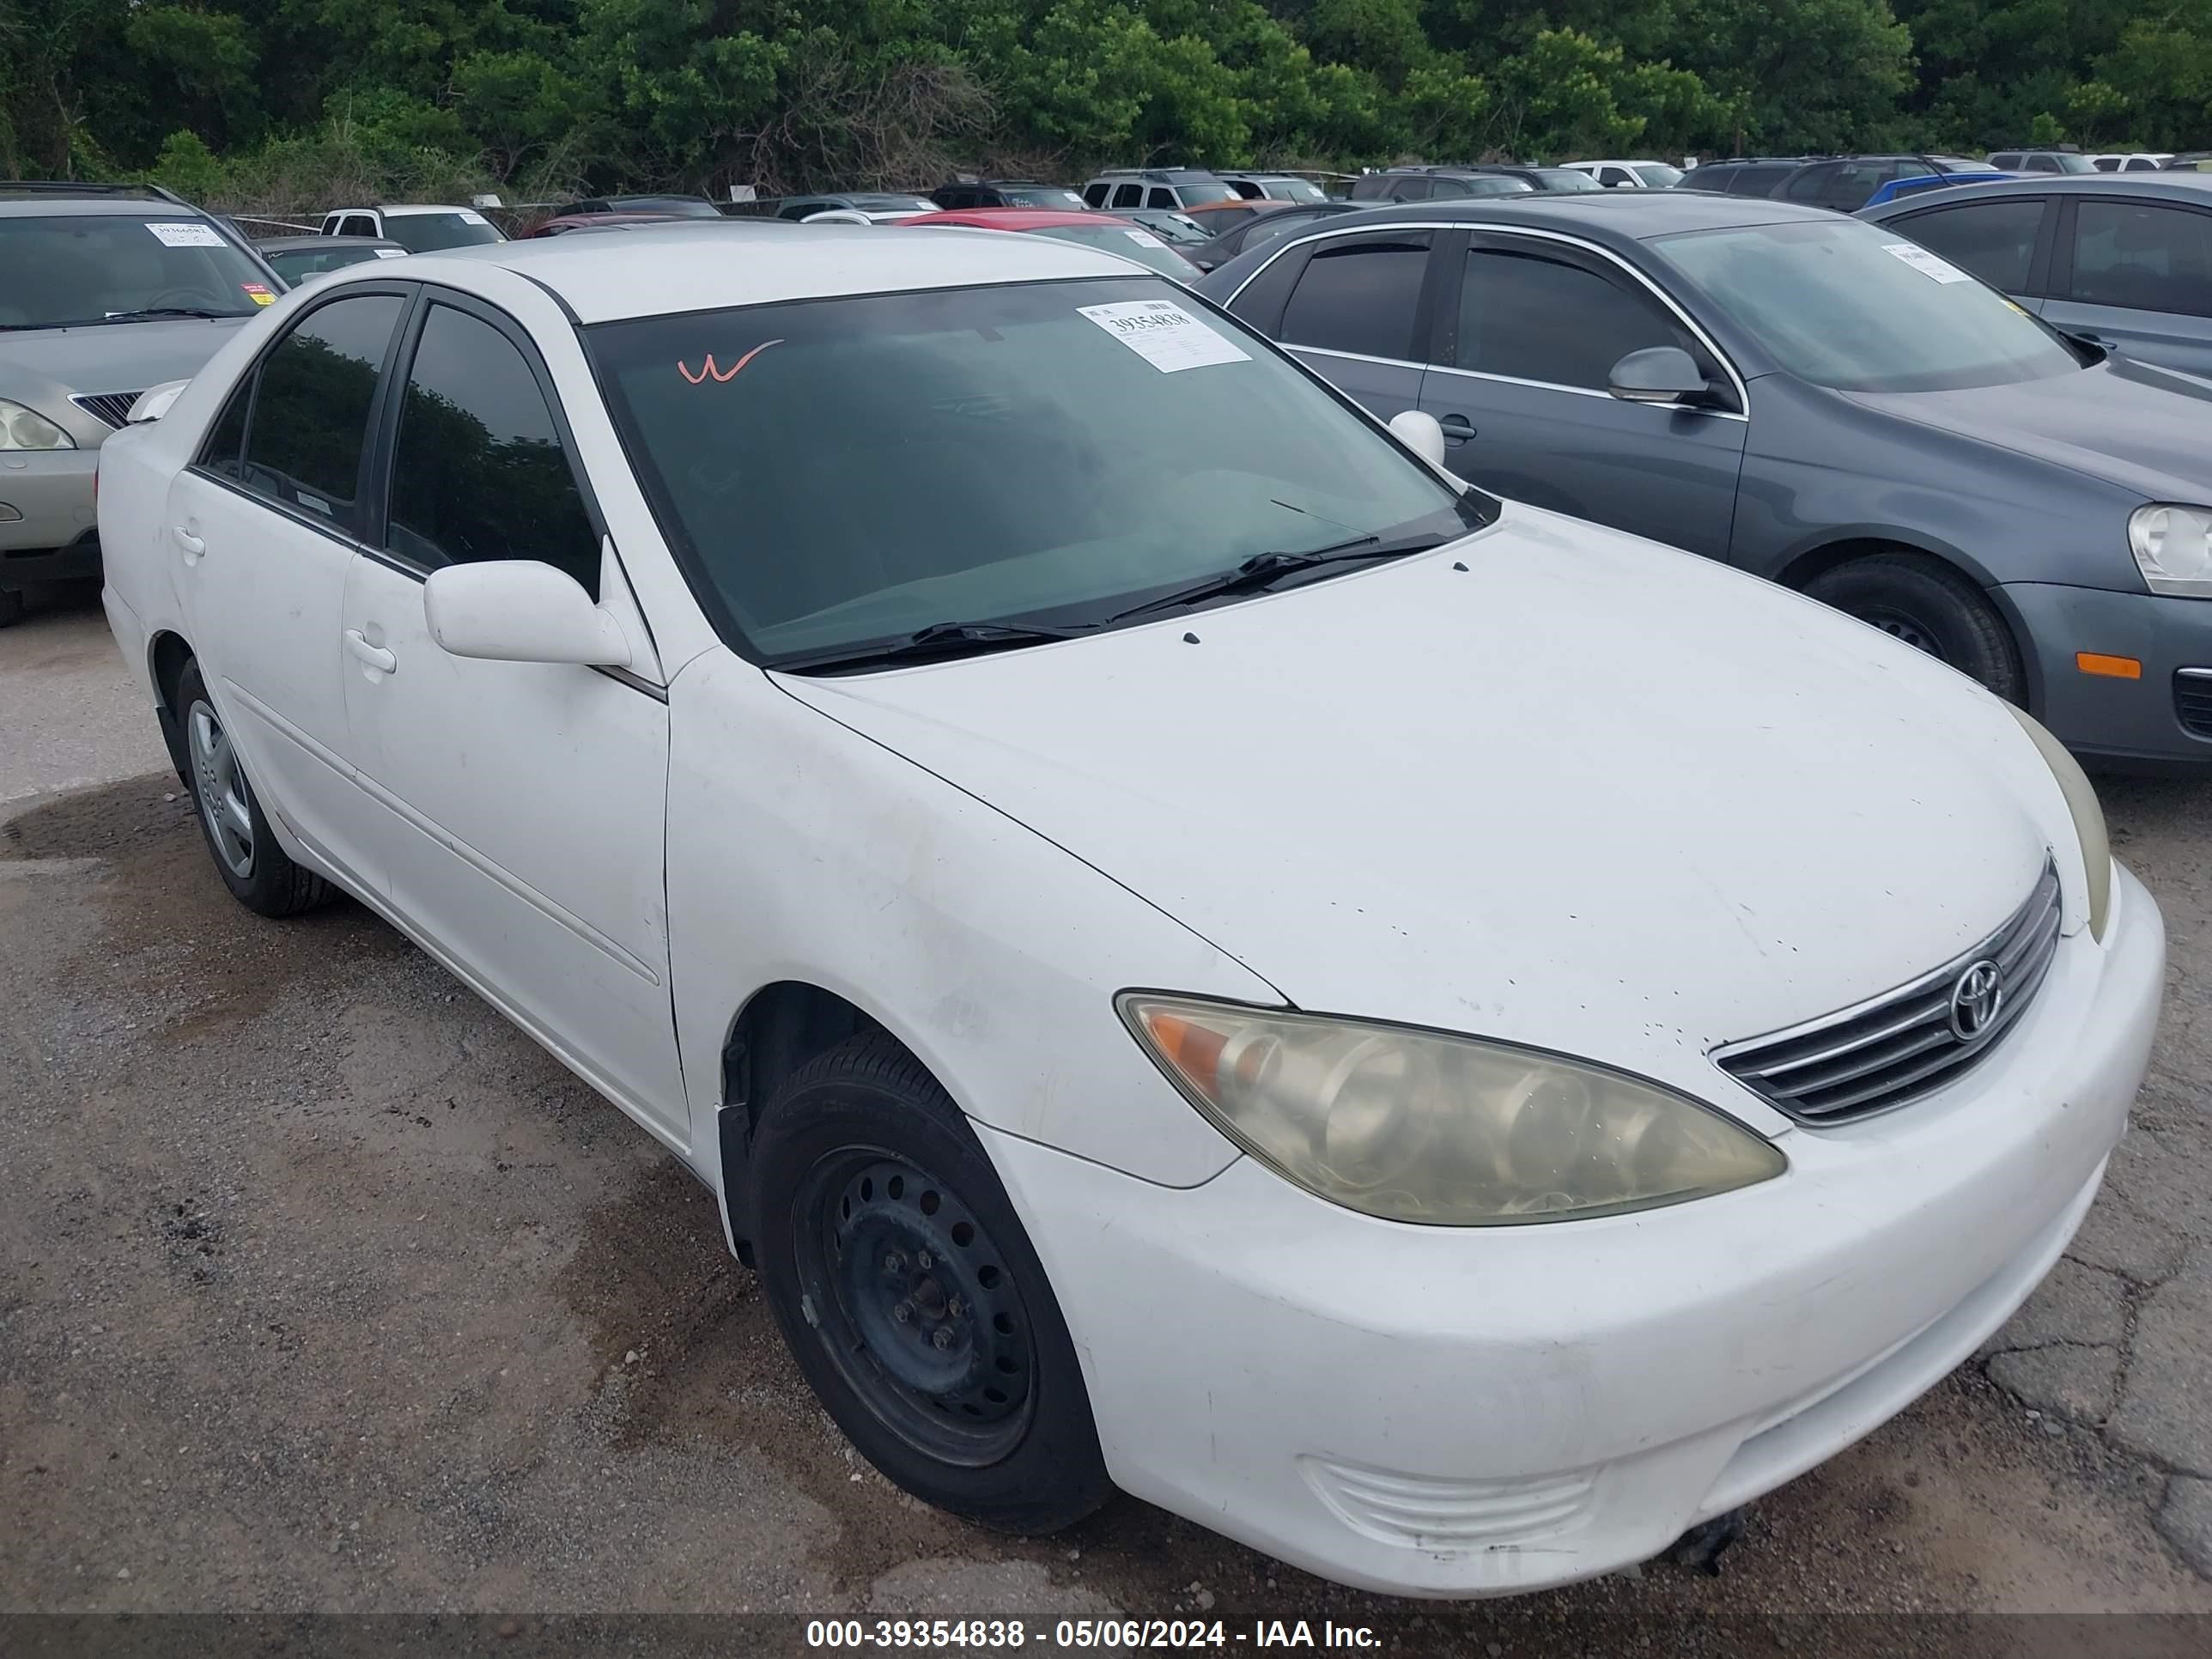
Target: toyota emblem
<point>1975,999</point>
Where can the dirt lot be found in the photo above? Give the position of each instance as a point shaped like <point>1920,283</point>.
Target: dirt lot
<point>324,1291</point>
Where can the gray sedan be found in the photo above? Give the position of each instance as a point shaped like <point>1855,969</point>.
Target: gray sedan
<point>1810,398</point>
<point>2120,259</point>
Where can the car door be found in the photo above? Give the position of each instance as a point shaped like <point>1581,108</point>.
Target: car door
<point>2005,242</point>
<point>1524,346</point>
<point>2135,275</point>
<point>264,525</point>
<point>526,801</point>
<point>1352,312</point>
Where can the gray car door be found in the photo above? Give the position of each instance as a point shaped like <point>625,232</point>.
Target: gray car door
<point>2135,275</point>
<point>1523,349</point>
<point>1353,313</point>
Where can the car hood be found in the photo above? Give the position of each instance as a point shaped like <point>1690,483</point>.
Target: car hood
<point>2144,429</point>
<point>1553,784</point>
<point>45,368</point>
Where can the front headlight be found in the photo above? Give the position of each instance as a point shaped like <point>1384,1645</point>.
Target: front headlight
<point>2173,547</point>
<point>1417,1126</point>
<point>2088,818</point>
<point>26,428</point>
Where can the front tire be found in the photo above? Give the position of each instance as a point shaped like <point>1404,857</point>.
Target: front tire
<point>260,875</point>
<point>912,1299</point>
<point>1928,605</point>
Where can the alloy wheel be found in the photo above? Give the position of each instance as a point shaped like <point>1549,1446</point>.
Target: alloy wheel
<point>220,783</point>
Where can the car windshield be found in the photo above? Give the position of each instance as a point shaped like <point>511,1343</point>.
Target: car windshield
<point>118,267</point>
<point>1171,226</point>
<point>1131,242</point>
<point>893,203</point>
<point>1204,190</point>
<point>1043,196</point>
<point>840,473</point>
<point>426,233</point>
<point>1856,307</point>
<point>1296,190</point>
<point>1497,183</point>
<point>2068,163</point>
<point>1558,179</point>
<point>1657,174</point>
<point>682,207</point>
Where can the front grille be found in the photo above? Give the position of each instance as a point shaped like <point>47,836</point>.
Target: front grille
<point>2192,700</point>
<point>112,407</point>
<point>1905,1043</point>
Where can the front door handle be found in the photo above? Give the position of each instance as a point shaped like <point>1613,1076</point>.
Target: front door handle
<point>192,545</point>
<point>374,655</point>
<point>1457,428</point>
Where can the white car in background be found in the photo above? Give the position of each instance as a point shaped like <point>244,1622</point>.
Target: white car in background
<point>1631,175</point>
<point>421,228</point>
<point>1446,1042</point>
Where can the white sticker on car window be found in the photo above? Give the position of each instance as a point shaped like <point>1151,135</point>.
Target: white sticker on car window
<point>470,217</point>
<point>391,253</point>
<point>1926,264</point>
<point>1164,335</point>
<point>186,235</point>
<point>1144,239</point>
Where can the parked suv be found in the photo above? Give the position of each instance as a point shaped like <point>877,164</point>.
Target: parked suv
<point>2124,262</point>
<point>420,229</point>
<point>1172,188</point>
<point>1846,183</point>
<point>1805,396</point>
<point>1744,175</point>
<point>1434,185</point>
<point>105,291</point>
<point>2041,160</point>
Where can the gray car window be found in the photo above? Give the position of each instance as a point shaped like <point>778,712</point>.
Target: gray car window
<point>1130,196</point>
<point>2143,257</point>
<point>1832,302</point>
<point>1532,318</point>
<point>311,414</point>
<point>1996,241</point>
<point>1358,298</point>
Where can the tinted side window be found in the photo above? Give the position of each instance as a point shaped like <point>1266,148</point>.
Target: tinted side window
<point>312,416</point>
<point>1163,197</point>
<point>224,451</point>
<point>1128,195</point>
<point>479,472</point>
<point>2007,160</point>
<point>1095,194</point>
<point>1996,241</point>
<point>2143,257</point>
<point>1412,188</point>
<point>2042,164</point>
<point>360,224</point>
<point>1358,298</point>
<point>1371,187</point>
<point>1536,319</point>
<point>1814,183</point>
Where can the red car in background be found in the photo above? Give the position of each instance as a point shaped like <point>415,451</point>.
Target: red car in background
<point>1099,230</point>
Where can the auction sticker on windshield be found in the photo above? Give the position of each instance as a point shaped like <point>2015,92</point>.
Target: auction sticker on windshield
<point>186,235</point>
<point>1926,262</point>
<point>1164,335</point>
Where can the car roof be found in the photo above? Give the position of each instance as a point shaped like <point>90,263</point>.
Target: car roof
<point>681,266</point>
<point>393,210</point>
<point>1619,216</point>
<point>2194,187</point>
<point>41,205</point>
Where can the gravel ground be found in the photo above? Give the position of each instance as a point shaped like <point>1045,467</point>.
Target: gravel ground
<point>325,1291</point>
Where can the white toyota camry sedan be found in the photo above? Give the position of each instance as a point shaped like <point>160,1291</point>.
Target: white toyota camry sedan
<point>1197,954</point>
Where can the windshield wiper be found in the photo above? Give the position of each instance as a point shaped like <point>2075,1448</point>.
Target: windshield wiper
<point>163,311</point>
<point>935,643</point>
<point>1264,570</point>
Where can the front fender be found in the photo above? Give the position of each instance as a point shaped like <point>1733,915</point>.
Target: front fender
<point>800,850</point>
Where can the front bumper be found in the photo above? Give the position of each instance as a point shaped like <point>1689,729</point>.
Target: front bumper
<point>47,530</point>
<point>2128,721</point>
<point>1442,1412</point>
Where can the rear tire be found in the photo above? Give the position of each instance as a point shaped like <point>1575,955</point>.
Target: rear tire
<point>1931,607</point>
<point>11,607</point>
<point>911,1297</point>
<point>260,875</point>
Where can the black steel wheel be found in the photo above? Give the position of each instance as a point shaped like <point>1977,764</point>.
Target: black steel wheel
<point>911,1296</point>
<point>1932,608</point>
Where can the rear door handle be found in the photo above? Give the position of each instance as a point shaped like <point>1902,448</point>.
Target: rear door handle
<point>1457,428</point>
<point>374,655</point>
<point>192,544</point>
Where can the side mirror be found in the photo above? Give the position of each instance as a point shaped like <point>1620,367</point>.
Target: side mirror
<point>1420,432</point>
<point>155,402</point>
<point>1657,374</point>
<point>520,610</point>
